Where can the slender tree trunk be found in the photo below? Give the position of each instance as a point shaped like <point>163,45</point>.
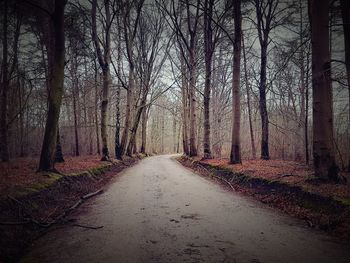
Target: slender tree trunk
<point>302,88</point>
<point>235,156</point>
<point>174,134</point>
<point>251,130</point>
<point>306,123</point>
<point>96,114</point>
<point>104,61</point>
<point>184,93</point>
<point>21,119</point>
<point>104,114</point>
<point>59,154</point>
<point>117,146</point>
<point>323,139</point>
<point>129,100</point>
<point>56,76</point>
<point>345,8</point>
<point>265,155</point>
<point>192,100</point>
<point>162,134</point>
<point>4,152</point>
<point>144,131</point>
<point>208,53</point>
<point>75,93</point>
<point>136,121</point>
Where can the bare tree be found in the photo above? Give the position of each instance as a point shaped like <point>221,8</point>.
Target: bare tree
<point>130,30</point>
<point>266,11</point>
<point>208,53</point>
<point>323,138</point>
<point>345,8</point>
<point>56,56</point>
<point>104,59</point>
<point>4,89</point>
<point>235,156</point>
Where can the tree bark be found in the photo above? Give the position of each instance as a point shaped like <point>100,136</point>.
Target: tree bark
<point>345,8</point>
<point>265,155</point>
<point>208,52</point>
<point>192,100</point>
<point>96,113</point>
<point>104,61</point>
<point>144,131</point>
<point>323,139</point>
<point>251,130</point>
<point>184,93</point>
<point>4,152</point>
<point>117,145</point>
<point>59,154</point>
<point>265,12</point>
<point>56,51</point>
<point>235,156</point>
<point>129,100</point>
<point>75,93</point>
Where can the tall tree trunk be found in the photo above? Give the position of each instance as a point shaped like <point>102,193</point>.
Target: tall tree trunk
<point>192,100</point>
<point>251,130</point>
<point>306,123</point>
<point>96,113</point>
<point>144,131</point>
<point>235,156</point>
<point>56,51</point>
<point>75,93</point>
<point>136,121</point>
<point>104,61</point>
<point>208,53</point>
<point>265,155</point>
<point>302,88</point>
<point>118,152</point>
<point>59,154</point>
<point>4,152</point>
<point>104,114</point>
<point>117,146</point>
<point>345,8</point>
<point>129,100</point>
<point>323,139</point>
<point>184,93</point>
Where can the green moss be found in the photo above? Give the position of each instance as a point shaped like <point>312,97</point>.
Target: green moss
<point>99,169</point>
<point>316,206</point>
<point>344,200</point>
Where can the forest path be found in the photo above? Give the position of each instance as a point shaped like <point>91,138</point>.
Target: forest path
<point>159,211</point>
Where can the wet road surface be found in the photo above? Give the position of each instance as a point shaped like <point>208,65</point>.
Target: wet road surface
<point>159,211</point>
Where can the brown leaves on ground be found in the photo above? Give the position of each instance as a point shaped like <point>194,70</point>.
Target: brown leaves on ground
<point>21,172</point>
<point>290,172</point>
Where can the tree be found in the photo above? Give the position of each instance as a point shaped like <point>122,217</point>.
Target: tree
<point>56,56</point>
<point>323,138</point>
<point>235,156</point>
<point>186,30</point>
<point>104,61</point>
<point>208,53</point>
<point>4,90</point>
<point>266,21</point>
<point>247,85</point>
<point>345,8</point>
<point>130,30</point>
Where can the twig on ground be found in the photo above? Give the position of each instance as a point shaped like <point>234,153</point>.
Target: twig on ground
<point>58,218</point>
<point>88,227</point>
<point>218,177</point>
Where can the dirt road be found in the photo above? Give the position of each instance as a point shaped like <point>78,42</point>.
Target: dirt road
<point>159,211</point>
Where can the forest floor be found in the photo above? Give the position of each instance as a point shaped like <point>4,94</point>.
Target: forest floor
<point>31,203</point>
<point>287,185</point>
